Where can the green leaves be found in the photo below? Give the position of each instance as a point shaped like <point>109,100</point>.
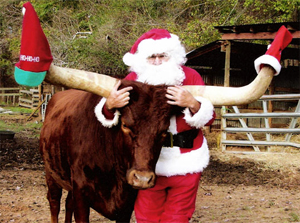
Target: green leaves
<point>124,21</point>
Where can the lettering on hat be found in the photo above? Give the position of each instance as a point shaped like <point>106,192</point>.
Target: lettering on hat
<point>29,58</point>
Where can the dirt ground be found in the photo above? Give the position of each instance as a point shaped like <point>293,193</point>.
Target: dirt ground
<point>234,188</point>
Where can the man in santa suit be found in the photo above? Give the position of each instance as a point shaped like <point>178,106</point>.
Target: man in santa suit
<point>157,57</point>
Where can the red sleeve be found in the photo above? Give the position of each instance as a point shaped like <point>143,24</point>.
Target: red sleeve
<point>210,122</point>
<point>107,113</point>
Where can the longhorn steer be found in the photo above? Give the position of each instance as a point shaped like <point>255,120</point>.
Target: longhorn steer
<point>97,164</point>
<point>100,166</point>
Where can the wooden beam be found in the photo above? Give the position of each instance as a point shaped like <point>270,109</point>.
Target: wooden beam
<point>260,35</point>
<point>227,64</point>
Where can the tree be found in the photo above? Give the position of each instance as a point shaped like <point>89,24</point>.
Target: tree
<point>111,27</point>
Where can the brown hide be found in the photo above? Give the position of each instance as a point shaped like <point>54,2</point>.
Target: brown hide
<point>97,164</point>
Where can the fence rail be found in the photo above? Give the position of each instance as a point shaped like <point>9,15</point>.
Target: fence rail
<point>265,115</point>
<point>29,98</point>
<point>15,95</point>
<point>10,95</point>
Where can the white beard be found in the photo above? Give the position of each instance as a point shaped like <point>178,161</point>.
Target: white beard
<point>168,73</point>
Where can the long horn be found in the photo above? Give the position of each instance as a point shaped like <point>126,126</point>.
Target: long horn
<point>102,85</point>
<point>235,95</point>
<point>99,84</point>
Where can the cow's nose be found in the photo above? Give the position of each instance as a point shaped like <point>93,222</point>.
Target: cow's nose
<point>141,179</point>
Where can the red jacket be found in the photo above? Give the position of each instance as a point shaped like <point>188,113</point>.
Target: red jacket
<point>175,160</point>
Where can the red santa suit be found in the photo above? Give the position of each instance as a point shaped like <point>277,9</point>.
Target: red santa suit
<point>178,170</point>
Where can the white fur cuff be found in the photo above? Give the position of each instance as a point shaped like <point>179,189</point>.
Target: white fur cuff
<point>203,116</point>
<point>267,59</point>
<point>101,118</point>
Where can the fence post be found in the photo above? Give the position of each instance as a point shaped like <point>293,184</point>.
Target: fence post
<point>267,123</point>
<point>244,125</point>
<point>293,123</point>
<point>223,125</point>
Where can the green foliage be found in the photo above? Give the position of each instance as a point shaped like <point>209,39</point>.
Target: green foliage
<point>124,21</point>
<point>273,10</point>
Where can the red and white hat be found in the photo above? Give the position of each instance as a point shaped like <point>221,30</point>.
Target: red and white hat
<point>153,42</point>
<point>35,55</point>
<point>273,55</point>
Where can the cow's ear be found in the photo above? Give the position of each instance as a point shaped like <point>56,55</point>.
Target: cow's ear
<point>134,95</point>
<point>176,110</point>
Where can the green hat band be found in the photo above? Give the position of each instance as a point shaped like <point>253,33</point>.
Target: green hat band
<point>28,78</point>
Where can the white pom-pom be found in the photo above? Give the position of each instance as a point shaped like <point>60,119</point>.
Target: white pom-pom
<point>128,59</point>
<point>23,11</point>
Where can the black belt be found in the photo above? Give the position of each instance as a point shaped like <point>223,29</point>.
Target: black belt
<point>183,139</point>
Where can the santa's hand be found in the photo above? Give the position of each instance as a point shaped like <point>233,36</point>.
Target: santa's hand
<point>118,98</point>
<point>180,96</point>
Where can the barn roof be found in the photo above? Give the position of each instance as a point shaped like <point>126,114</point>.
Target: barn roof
<point>258,31</point>
<point>210,59</point>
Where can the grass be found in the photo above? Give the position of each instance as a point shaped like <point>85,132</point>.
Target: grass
<point>294,217</point>
<point>19,109</point>
<point>32,127</point>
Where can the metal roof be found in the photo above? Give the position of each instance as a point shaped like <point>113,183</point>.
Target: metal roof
<point>255,28</point>
<point>265,31</point>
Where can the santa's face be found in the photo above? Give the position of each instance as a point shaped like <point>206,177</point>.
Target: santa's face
<point>158,59</point>
<point>159,69</point>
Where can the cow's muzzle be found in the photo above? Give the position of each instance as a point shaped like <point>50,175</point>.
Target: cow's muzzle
<point>140,179</point>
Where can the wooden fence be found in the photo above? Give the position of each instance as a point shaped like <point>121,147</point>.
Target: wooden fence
<point>10,95</point>
<point>266,130</point>
<point>24,98</point>
<point>29,98</point>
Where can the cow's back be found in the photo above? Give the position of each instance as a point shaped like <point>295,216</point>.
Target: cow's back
<point>69,114</point>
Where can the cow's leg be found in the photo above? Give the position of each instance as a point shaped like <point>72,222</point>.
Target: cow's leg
<point>127,210</point>
<point>81,204</point>
<point>69,207</point>
<point>125,218</point>
<point>53,196</point>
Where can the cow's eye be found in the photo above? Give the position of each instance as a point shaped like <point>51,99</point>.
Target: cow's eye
<point>125,128</point>
<point>164,135</point>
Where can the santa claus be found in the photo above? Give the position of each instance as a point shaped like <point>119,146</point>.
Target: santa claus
<point>157,57</point>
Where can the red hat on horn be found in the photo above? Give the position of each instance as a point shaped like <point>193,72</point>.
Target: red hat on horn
<point>35,55</point>
<point>273,55</point>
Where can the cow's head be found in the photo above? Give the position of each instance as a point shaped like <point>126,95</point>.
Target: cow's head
<point>144,123</point>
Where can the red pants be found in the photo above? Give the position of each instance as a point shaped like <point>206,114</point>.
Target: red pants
<point>172,199</point>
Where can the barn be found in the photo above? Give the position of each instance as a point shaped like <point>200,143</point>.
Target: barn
<point>230,62</point>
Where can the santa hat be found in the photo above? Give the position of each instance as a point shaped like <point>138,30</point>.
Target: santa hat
<point>273,55</point>
<point>153,42</point>
<point>35,55</point>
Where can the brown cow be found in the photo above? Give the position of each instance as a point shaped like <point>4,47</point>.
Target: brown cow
<point>96,164</point>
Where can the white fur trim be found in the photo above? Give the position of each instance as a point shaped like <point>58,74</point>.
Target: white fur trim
<point>203,116</point>
<point>173,125</point>
<point>101,118</point>
<point>267,59</point>
<point>23,11</point>
<point>171,162</point>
